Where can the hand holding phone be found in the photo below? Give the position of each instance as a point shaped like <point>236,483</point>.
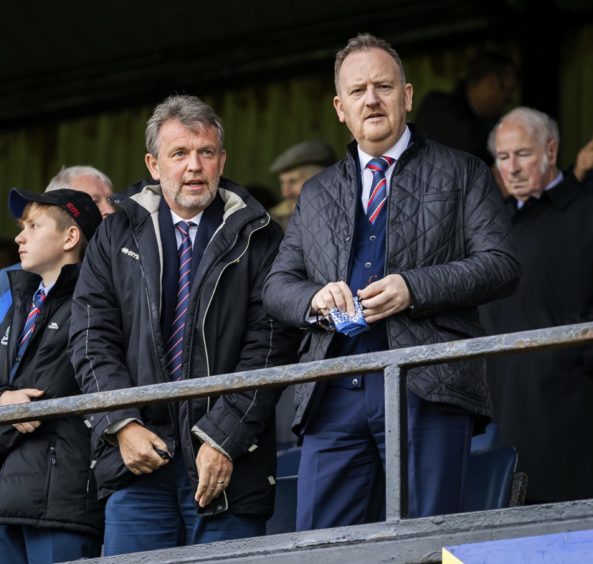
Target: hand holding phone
<point>162,453</point>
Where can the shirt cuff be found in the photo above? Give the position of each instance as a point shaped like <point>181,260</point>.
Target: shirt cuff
<point>114,428</point>
<point>206,439</point>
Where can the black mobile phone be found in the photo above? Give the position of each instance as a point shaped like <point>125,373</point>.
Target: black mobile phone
<point>215,507</point>
<point>162,453</point>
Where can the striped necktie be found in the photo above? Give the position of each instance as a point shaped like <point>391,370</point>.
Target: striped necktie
<point>378,196</point>
<point>175,341</point>
<point>25,338</point>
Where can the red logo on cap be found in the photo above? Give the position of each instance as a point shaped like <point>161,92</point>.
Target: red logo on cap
<point>73,209</point>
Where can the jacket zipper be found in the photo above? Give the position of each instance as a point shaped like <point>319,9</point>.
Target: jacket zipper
<point>237,259</point>
<point>191,444</point>
<point>52,461</point>
<point>152,334</point>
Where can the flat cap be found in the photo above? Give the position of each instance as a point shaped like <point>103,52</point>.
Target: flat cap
<point>305,153</point>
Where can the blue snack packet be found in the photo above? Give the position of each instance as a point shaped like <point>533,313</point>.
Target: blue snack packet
<point>349,325</point>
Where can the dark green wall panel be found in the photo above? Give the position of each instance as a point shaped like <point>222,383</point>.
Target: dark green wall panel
<point>261,120</point>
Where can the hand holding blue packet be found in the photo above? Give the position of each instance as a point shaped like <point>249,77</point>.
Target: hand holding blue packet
<point>349,325</point>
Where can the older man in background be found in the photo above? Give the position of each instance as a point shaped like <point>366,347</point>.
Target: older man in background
<point>86,179</point>
<point>294,167</point>
<point>543,401</point>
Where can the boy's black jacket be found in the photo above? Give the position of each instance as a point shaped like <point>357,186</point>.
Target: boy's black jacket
<point>45,476</point>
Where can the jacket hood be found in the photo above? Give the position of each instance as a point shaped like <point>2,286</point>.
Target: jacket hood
<point>234,196</point>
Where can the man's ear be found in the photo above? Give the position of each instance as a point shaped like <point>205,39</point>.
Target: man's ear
<point>152,165</point>
<point>408,96</point>
<point>339,109</point>
<point>552,151</point>
<point>71,238</point>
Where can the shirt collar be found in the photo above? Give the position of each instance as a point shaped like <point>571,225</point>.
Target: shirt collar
<point>559,178</point>
<point>396,151</point>
<point>195,219</point>
<point>46,289</point>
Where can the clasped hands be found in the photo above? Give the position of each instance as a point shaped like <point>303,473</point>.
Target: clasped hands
<point>379,299</point>
<point>138,447</point>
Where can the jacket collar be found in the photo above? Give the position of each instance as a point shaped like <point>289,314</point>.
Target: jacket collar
<point>24,284</point>
<point>235,199</point>
<point>417,140</point>
<point>560,196</point>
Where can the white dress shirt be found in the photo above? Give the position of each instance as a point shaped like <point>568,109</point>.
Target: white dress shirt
<point>192,230</point>
<point>367,176</point>
<point>559,178</point>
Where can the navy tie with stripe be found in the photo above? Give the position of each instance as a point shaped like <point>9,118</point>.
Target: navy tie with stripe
<point>25,338</point>
<point>175,341</point>
<point>378,195</point>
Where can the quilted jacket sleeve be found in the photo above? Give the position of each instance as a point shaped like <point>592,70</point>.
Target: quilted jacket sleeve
<point>488,271</point>
<point>288,291</point>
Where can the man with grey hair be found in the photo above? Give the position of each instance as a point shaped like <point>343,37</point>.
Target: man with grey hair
<point>83,178</point>
<point>543,401</point>
<point>86,179</point>
<point>171,290</point>
<point>411,235</point>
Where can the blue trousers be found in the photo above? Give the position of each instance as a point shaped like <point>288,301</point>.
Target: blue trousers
<point>342,469</point>
<point>20,544</point>
<point>158,511</point>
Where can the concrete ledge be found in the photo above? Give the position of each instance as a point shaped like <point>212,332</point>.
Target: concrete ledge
<point>406,540</point>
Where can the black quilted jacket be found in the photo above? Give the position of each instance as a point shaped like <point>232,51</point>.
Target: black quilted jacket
<point>449,237</point>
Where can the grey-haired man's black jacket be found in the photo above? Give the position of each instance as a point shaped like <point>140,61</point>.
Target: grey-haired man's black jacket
<point>448,236</point>
<point>117,341</point>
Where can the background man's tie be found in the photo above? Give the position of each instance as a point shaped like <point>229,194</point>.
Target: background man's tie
<point>175,342</point>
<point>378,196</point>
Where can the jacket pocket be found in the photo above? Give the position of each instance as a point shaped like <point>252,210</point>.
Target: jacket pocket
<point>448,195</point>
<point>52,462</point>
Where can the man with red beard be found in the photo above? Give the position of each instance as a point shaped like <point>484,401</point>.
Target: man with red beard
<point>171,289</point>
<point>415,234</point>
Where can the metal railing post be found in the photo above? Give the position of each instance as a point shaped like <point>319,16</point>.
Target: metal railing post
<point>395,449</point>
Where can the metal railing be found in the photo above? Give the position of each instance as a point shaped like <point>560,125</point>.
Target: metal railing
<point>394,364</point>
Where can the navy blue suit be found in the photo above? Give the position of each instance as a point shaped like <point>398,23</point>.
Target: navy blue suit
<point>342,468</point>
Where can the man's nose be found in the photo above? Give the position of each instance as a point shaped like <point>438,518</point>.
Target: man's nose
<point>514,164</point>
<point>105,208</point>
<point>194,162</point>
<point>371,96</point>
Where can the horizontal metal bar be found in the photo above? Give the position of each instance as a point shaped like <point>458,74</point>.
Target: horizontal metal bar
<point>568,335</point>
